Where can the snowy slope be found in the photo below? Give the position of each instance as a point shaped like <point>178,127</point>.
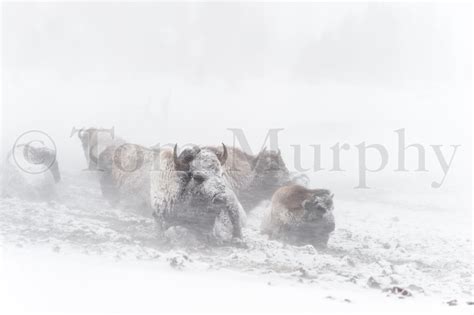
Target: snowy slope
<point>79,243</point>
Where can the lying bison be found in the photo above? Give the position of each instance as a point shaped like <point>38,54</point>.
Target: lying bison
<point>300,216</point>
<point>254,178</point>
<point>186,190</point>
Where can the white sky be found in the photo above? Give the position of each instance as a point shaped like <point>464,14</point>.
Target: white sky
<point>324,72</point>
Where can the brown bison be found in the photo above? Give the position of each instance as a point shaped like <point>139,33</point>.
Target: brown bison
<point>254,178</point>
<point>300,216</point>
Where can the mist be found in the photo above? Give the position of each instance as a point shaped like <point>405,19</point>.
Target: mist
<point>185,73</point>
<point>367,207</point>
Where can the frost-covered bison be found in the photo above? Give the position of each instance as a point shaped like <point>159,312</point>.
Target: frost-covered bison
<point>254,178</point>
<point>186,190</point>
<point>189,190</point>
<point>30,172</point>
<point>124,175</point>
<point>300,216</point>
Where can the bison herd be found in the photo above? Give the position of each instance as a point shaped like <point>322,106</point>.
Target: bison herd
<point>205,189</point>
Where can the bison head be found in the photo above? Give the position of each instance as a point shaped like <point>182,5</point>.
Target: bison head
<point>205,192</point>
<point>270,171</point>
<point>43,156</point>
<point>320,203</point>
<point>316,223</point>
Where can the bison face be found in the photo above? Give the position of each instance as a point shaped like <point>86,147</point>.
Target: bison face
<point>44,156</point>
<point>318,205</point>
<point>317,222</point>
<point>206,181</point>
<point>270,169</point>
<point>206,193</point>
<point>202,172</point>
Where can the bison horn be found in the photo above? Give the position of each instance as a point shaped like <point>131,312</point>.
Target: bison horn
<point>223,157</point>
<point>177,163</point>
<point>181,163</point>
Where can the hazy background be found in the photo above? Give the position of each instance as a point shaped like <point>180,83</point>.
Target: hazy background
<point>327,73</point>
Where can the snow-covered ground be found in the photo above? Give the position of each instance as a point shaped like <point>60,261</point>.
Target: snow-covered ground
<point>78,254</point>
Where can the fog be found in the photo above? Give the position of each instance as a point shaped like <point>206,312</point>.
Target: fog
<point>389,229</point>
<point>185,73</point>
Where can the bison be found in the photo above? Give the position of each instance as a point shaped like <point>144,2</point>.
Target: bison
<point>124,175</point>
<point>300,216</point>
<point>186,190</point>
<point>254,178</point>
<point>30,172</point>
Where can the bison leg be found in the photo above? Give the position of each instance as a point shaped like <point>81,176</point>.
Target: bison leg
<point>109,191</point>
<point>234,216</point>
<point>159,216</point>
<point>161,226</point>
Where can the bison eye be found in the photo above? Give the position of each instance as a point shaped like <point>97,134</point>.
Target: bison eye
<point>199,177</point>
<point>184,176</point>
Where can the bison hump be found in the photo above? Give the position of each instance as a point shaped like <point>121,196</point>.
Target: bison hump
<point>291,197</point>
